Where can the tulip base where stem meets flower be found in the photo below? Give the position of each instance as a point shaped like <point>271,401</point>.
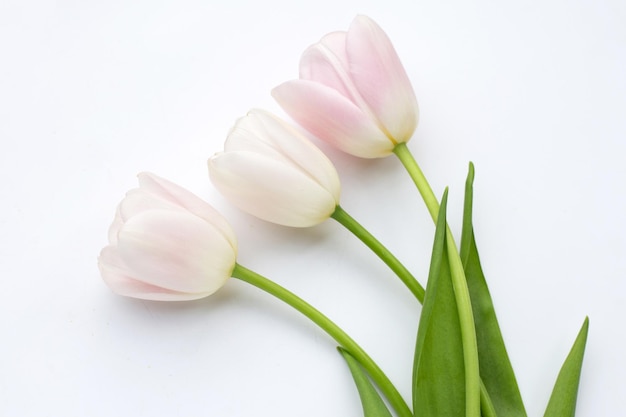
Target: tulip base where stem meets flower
<point>461,291</point>
<point>341,216</point>
<point>334,331</point>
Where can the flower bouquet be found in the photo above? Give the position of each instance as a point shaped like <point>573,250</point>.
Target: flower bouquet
<point>353,93</point>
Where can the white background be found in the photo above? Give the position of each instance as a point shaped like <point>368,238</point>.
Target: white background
<point>93,92</point>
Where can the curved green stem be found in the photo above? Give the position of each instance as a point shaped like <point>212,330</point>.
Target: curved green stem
<point>461,292</point>
<point>380,250</point>
<point>334,331</point>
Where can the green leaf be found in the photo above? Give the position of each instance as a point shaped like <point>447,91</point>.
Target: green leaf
<point>438,370</point>
<point>563,399</point>
<point>373,405</point>
<point>496,371</point>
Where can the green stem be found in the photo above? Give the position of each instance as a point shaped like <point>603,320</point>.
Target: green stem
<point>334,331</point>
<point>461,292</point>
<point>380,250</point>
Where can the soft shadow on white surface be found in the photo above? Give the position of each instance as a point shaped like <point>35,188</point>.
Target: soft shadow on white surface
<point>93,92</point>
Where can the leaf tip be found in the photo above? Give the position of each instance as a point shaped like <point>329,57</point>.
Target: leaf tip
<point>444,198</point>
<point>584,330</point>
<point>470,174</point>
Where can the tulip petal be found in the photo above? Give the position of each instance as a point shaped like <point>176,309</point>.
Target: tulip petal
<point>116,277</point>
<point>259,132</point>
<point>177,251</point>
<point>263,133</point>
<point>326,62</point>
<point>379,76</point>
<point>185,199</point>
<point>270,189</point>
<point>139,200</point>
<point>333,118</point>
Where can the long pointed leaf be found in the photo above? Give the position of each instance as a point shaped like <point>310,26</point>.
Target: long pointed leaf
<point>373,405</point>
<point>495,367</point>
<point>563,399</point>
<point>438,371</point>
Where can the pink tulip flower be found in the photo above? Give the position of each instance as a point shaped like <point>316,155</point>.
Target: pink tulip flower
<point>167,244</point>
<point>270,170</point>
<point>353,92</point>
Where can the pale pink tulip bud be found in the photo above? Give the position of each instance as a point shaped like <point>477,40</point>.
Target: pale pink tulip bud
<point>353,92</point>
<point>273,172</point>
<point>167,244</point>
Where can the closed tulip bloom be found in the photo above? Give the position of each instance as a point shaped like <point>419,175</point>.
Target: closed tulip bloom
<point>273,172</point>
<point>167,244</point>
<point>353,92</point>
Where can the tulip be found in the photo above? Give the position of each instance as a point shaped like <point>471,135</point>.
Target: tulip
<point>167,244</point>
<point>353,92</point>
<point>268,169</point>
<point>273,172</point>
